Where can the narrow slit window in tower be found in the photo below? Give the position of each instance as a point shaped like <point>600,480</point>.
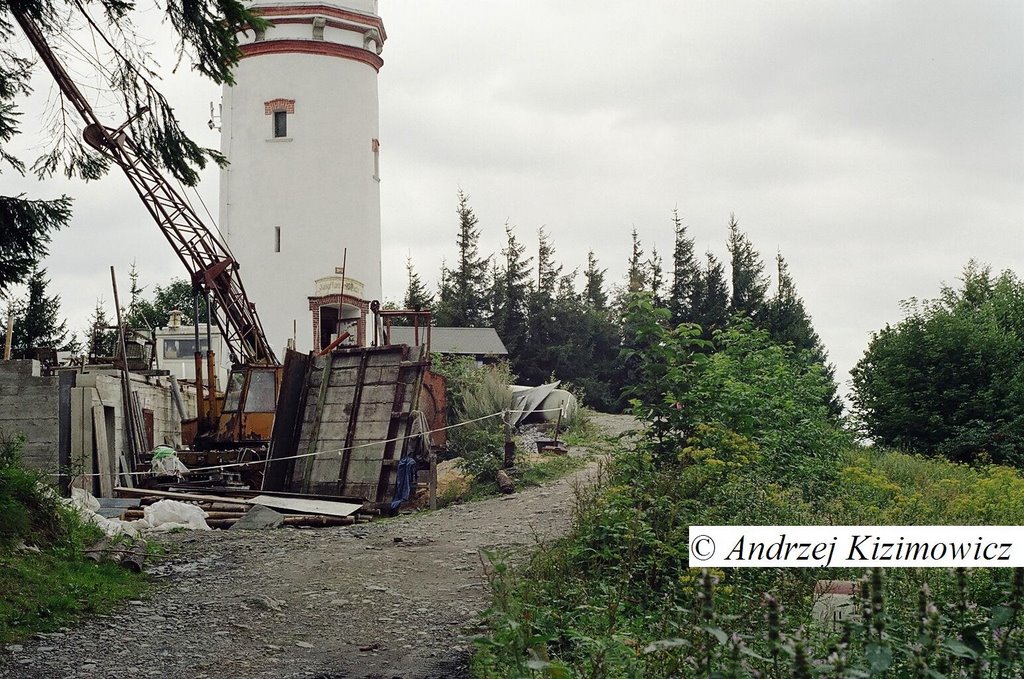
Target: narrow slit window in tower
<point>280,124</point>
<point>277,239</point>
<point>375,146</point>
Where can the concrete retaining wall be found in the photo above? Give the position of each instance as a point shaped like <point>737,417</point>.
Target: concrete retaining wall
<point>28,406</point>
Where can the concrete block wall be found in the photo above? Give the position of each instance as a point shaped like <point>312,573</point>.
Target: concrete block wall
<point>29,406</point>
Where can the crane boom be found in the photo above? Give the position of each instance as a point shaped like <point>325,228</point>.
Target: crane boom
<point>206,258</point>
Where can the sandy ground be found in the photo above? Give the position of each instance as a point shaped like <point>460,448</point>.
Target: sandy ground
<point>394,598</point>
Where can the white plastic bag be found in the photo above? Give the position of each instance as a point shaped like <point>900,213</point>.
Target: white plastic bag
<point>83,501</point>
<point>171,514</point>
<point>166,463</point>
<point>87,506</point>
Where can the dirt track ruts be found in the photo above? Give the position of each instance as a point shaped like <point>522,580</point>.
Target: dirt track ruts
<point>396,598</point>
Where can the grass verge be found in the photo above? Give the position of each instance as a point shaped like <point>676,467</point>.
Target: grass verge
<point>44,591</point>
<point>45,580</point>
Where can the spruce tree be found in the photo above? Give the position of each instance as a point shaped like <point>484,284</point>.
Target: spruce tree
<point>548,272</point>
<point>786,318</point>
<point>749,281</point>
<point>100,333</point>
<point>464,296</point>
<point>536,363</point>
<point>711,297</point>
<point>25,225</point>
<point>788,322</point>
<point>656,277</point>
<point>416,294</point>
<point>682,298</point>
<point>593,289</point>
<point>511,291</point>
<point>636,276</point>
<point>141,311</point>
<point>37,321</point>
<point>207,34</point>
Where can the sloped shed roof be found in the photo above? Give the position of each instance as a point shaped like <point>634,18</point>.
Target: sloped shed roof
<point>466,341</point>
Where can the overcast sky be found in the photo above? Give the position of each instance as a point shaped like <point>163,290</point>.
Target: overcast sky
<point>877,145</point>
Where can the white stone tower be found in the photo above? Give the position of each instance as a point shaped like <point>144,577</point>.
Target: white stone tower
<point>299,128</point>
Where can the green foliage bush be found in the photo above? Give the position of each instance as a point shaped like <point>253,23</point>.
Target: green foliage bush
<point>948,380</point>
<point>770,396</point>
<point>29,510</point>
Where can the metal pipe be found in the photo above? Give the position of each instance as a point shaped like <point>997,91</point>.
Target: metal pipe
<point>198,355</point>
<point>126,388</point>
<point>211,371</point>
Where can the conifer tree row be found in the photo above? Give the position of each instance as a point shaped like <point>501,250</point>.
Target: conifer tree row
<point>554,327</point>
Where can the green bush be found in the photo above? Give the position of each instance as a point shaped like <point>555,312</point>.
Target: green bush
<point>29,509</point>
<point>948,380</point>
<point>475,395</point>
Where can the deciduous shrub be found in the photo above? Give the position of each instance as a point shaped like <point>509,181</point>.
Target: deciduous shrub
<point>948,380</point>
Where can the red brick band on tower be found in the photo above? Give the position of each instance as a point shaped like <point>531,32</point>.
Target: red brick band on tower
<point>329,49</point>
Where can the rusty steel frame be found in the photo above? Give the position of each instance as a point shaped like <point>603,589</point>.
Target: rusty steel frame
<point>417,316</point>
<point>205,257</point>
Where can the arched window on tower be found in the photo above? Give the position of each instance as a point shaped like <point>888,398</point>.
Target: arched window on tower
<point>280,124</point>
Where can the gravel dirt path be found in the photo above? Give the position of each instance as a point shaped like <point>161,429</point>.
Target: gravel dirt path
<point>395,598</point>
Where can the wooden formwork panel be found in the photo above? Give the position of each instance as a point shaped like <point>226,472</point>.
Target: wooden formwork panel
<point>358,402</point>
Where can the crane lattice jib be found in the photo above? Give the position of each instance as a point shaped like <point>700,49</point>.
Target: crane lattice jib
<point>205,257</point>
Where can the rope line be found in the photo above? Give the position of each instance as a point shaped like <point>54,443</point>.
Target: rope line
<point>334,451</point>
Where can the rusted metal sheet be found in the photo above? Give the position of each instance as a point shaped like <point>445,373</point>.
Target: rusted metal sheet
<point>350,421</point>
<point>434,406</point>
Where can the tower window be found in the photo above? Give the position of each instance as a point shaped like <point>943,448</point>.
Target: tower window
<point>280,124</point>
<point>277,239</point>
<point>375,146</point>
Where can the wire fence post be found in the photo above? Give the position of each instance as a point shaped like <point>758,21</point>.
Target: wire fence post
<point>510,445</point>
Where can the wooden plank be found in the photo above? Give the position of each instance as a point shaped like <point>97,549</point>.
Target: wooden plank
<point>337,413</point>
<point>378,394</point>
<point>386,356</point>
<point>76,449</point>
<point>146,492</point>
<point>350,434</point>
<point>305,506</point>
<point>342,395</point>
<point>310,465</point>
<point>104,456</point>
<point>384,471</point>
<point>125,474</point>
